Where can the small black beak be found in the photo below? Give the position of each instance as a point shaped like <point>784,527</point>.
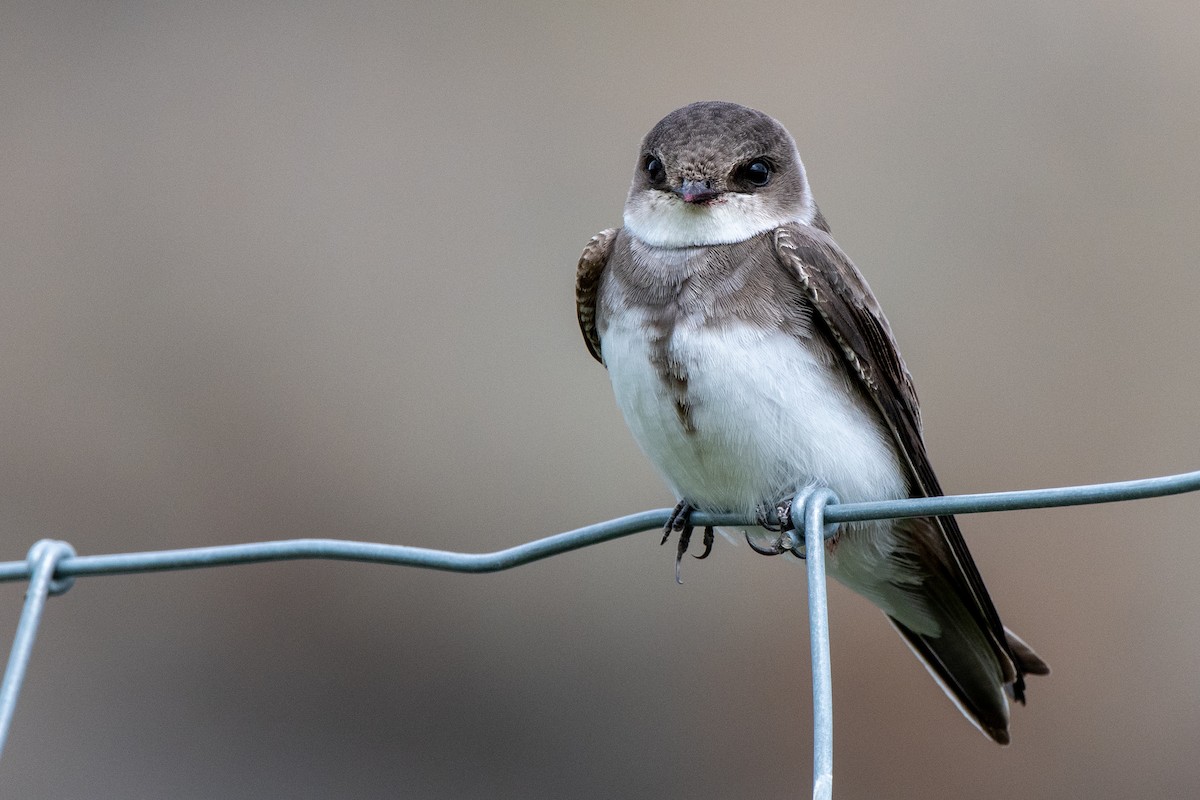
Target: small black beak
<point>697,191</point>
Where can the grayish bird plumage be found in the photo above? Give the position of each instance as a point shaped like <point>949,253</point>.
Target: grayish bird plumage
<point>750,359</point>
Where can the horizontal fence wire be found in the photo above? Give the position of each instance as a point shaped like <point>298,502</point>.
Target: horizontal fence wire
<point>451,561</point>
<point>50,566</point>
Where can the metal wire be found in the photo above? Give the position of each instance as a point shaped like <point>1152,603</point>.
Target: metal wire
<point>43,557</point>
<point>815,533</point>
<point>51,565</point>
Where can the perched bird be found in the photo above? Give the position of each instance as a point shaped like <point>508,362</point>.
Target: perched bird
<point>751,360</point>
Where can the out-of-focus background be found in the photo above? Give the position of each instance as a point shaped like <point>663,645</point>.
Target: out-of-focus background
<point>272,270</point>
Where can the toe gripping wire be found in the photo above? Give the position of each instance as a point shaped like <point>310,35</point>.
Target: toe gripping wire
<point>43,559</point>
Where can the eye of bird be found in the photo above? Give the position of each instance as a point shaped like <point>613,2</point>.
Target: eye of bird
<point>655,169</point>
<point>757,172</point>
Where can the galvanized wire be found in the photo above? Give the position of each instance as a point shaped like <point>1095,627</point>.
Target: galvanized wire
<point>43,558</point>
<point>50,566</point>
<point>816,531</point>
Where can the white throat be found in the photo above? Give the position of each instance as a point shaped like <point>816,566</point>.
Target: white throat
<point>663,219</point>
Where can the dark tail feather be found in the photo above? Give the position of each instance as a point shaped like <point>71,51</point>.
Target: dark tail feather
<point>1027,663</point>
<point>977,678</point>
<point>978,662</point>
<point>964,664</point>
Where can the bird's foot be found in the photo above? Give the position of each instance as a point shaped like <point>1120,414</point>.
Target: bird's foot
<point>680,522</point>
<point>777,520</point>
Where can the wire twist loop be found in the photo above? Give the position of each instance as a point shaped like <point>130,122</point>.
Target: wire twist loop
<point>51,551</point>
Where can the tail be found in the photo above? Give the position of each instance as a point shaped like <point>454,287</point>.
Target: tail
<point>920,573</point>
<point>975,674</point>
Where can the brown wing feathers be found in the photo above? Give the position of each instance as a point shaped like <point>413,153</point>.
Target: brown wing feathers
<point>587,282</point>
<point>852,317</point>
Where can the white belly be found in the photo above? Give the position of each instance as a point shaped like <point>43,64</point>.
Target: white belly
<point>767,418</point>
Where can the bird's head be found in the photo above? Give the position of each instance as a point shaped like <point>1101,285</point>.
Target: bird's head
<point>716,173</point>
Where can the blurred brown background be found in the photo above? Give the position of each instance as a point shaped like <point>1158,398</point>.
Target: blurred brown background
<point>271,270</point>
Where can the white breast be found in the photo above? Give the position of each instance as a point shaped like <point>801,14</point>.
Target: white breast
<point>768,418</point>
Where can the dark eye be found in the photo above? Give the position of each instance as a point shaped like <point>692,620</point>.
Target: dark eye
<point>655,169</point>
<point>757,172</point>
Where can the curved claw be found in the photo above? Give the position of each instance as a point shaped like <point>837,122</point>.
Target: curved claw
<point>680,521</point>
<point>775,549</point>
<point>685,539</point>
<point>781,522</point>
<point>708,542</point>
<point>763,517</point>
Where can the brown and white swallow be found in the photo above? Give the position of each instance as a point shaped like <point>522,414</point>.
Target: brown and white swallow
<point>751,360</point>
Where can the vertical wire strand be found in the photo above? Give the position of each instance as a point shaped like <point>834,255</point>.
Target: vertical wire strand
<point>43,557</point>
<point>818,628</point>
